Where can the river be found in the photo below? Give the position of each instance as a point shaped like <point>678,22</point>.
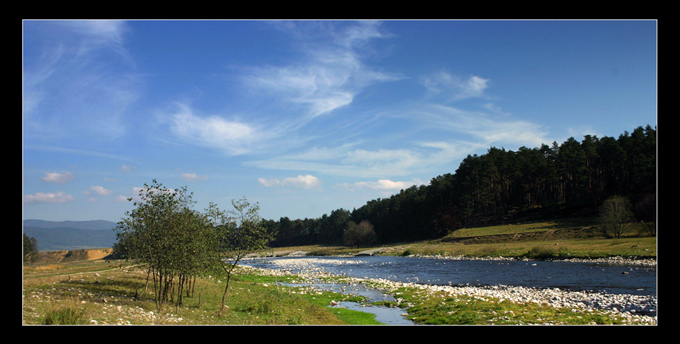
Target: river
<point>573,276</point>
<point>607,278</point>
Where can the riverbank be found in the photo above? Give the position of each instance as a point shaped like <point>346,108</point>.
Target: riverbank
<point>628,309</point>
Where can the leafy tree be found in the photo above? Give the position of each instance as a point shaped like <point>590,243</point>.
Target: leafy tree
<point>167,237</point>
<point>615,214</point>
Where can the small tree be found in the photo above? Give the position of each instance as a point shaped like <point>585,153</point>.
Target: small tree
<point>615,214</point>
<point>240,232</point>
<point>359,234</point>
<point>30,248</point>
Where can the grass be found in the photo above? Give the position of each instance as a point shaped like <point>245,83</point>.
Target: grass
<point>463,310</point>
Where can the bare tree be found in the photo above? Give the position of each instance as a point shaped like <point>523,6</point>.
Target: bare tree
<point>615,215</point>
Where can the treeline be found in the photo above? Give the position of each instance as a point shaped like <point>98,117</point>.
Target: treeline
<point>551,181</point>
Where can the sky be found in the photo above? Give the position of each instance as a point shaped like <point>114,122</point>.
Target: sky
<point>305,117</point>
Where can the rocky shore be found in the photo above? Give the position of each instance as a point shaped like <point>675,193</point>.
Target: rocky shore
<point>638,309</point>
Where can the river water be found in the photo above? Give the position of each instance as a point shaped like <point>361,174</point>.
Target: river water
<point>598,277</point>
<point>615,279</point>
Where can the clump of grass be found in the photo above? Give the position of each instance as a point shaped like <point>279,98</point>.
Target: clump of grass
<point>67,313</point>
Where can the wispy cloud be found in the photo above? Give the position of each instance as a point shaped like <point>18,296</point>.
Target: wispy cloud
<point>452,87</point>
<point>330,72</point>
<point>75,87</point>
<point>476,126</point>
<point>304,182</point>
<point>441,135</point>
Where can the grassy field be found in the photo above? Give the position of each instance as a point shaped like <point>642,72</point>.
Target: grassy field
<point>106,292</point>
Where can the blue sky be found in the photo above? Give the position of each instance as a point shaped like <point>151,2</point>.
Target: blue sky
<point>305,117</point>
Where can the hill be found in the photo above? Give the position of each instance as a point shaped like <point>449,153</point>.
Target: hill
<point>70,235</point>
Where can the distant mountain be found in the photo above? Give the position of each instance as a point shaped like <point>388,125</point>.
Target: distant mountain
<point>94,224</point>
<point>70,235</point>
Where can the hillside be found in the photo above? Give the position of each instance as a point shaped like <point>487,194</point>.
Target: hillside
<point>70,235</point>
<point>65,256</point>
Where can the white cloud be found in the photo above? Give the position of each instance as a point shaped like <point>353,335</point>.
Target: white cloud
<point>304,182</point>
<point>386,184</point>
<point>191,177</point>
<point>99,190</point>
<point>41,197</point>
<point>56,177</point>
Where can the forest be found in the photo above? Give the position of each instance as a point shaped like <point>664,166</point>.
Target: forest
<point>548,182</point>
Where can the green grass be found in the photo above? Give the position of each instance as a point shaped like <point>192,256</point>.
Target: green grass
<point>442,309</point>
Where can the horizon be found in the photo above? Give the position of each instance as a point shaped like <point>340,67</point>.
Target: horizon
<point>306,117</point>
